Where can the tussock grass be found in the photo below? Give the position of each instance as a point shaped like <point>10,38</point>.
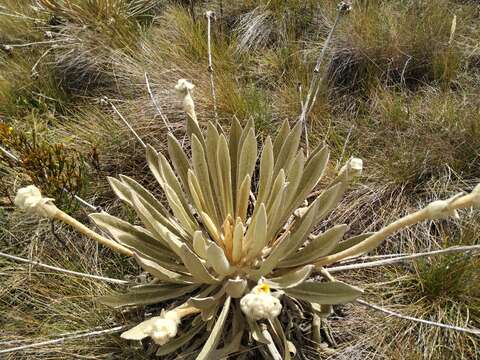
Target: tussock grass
<point>391,42</point>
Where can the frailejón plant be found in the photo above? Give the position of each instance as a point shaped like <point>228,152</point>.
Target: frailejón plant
<point>236,239</point>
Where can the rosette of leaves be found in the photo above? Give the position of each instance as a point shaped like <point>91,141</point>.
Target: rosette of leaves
<point>236,216</point>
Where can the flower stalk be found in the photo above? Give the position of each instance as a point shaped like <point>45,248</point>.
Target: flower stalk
<point>435,210</point>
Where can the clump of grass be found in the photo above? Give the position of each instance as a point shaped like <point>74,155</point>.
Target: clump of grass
<point>410,143</point>
<point>90,35</point>
<point>445,290</point>
<point>395,43</point>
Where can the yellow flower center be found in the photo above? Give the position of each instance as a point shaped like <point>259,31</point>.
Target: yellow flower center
<point>264,288</point>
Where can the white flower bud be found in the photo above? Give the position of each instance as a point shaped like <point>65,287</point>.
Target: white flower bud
<point>260,303</point>
<point>441,209</point>
<point>184,88</point>
<point>351,169</point>
<point>476,193</point>
<point>160,328</point>
<point>30,199</point>
<point>165,328</point>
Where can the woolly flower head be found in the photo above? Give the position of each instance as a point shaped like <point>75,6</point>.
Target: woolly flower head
<point>184,86</point>
<point>160,328</point>
<point>30,199</point>
<point>476,193</point>
<point>260,303</point>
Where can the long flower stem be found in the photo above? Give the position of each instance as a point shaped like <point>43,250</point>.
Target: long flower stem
<point>157,107</point>
<point>374,240</point>
<point>211,16</point>
<point>67,219</point>
<point>315,82</point>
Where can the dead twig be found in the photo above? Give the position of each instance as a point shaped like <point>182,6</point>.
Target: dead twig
<point>427,322</point>
<point>65,271</point>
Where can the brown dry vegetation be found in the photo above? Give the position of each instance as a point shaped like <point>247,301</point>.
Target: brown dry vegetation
<point>400,91</point>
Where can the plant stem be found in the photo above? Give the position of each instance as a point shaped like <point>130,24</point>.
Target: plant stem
<point>67,219</point>
<point>399,259</point>
<point>164,118</point>
<point>315,83</point>
<point>374,240</point>
<point>211,16</point>
<point>271,345</point>
<point>127,123</point>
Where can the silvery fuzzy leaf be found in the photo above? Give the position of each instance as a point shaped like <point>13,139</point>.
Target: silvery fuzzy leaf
<point>237,248</point>
<point>354,240</point>
<point>133,237</point>
<point>200,244</point>
<point>150,217</point>
<point>265,171</point>
<point>325,293</point>
<point>154,164</point>
<point>329,199</point>
<point>206,302</point>
<point>210,226</point>
<point>276,190</point>
<point>195,266</point>
<point>288,150</point>
<point>224,177</point>
<point>294,177</point>
<point>278,251</point>
<point>289,349</point>
<point>303,227</point>
<point>161,272</point>
<point>216,332</point>
<point>233,146</point>
<point>247,157</point>
<point>274,213</point>
<point>180,340</point>
<point>312,173</point>
<point>291,279</point>
<point>281,138</point>
<point>242,198</point>
<point>194,129</point>
<point>257,233</point>
<point>179,159</point>
<point>147,294</point>
<point>203,176</point>
<point>127,188</point>
<point>319,246</point>
<point>236,287</point>
<point>170,179</point>
<point>216,258</point>
<point>181,213</point>
<point>143,193</point>
<point>196,192</point>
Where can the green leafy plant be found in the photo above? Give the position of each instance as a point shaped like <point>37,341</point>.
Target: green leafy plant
<point>237,238</point>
